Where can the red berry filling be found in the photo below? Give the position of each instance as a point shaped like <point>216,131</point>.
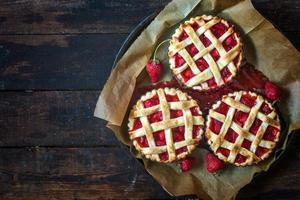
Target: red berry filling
<point>229,43</point>
<point>225,73</point>
<point>223,108</point>
<point>206,42</point>
<point>137,124</point>
<point>223,151</point>
<point>155,117</point>
<point>218,29</point>
<point>215,126</point>
<point>175,113</point>
<point>178,133</point>
<point>240,158</point>
<point>142,141</point>
<point>195,26</point>
<point>178,60</point>
<point>248,100</point>
<point>151,102</point>
<point>159,138</point>
<point>164,156</point>
<point>246,144</point>
<point>183,36</point>
<point>196,130</point>
<point>260,151</point>
<point>236,59</point>
<point>271,133</point>
<point>192,50</point>
<point>195,111</point>
<point>215,54</point>
<point>201,64</point>
<point>231,135</point>
<point>181,150</point>
<point>172,98</point>
<point>187,74</point>
<point>255,126</point>
<point>240,118</point>
<point>265,108</point>
<point>211,82</point>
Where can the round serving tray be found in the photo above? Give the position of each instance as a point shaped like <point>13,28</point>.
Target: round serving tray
<point>137,31</point>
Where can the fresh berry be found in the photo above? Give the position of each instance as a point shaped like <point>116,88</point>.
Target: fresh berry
<point>272,91</point>
<point>186,164</point>
<point>213,164</point>
<point>154,70</point>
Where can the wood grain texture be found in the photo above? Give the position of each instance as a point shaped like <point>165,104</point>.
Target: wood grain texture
<point>52,118</point>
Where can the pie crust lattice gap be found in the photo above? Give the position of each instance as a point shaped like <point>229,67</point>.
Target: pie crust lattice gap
<point>242,128</point>
<point>205,52</point>
<point>165,124</point>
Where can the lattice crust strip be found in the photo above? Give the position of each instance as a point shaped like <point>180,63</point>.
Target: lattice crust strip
<point>187,120</point>
<point>199,81</point>
<point>217,140</point>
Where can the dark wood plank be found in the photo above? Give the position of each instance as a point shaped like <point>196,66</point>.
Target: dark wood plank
<point>57,62</point>
<point>52,119</point>
<point>72,173</point>
<point>92,173</point>
<point>73,17</point>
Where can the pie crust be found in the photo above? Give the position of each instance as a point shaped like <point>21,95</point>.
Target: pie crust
<point>165,124</point>
<point>205,52</point>
<point>242,128</point>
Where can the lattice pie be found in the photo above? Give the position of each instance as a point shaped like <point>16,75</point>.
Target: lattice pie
<point>165,124</point>
<point>205,52</point>
<point>242,128</point>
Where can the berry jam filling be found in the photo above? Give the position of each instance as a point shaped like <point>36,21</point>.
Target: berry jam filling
<point>201,64</point>
<point>164,156</point>
<point>211,82</point>
<point>240,158</point>
<point>223,151</point>
<point>192,50</point>
<point>218,29</point>
<point>246,144</point>
<point>206,42</point>
<point>240,118</point>
<point>172,98</point>
<point>255,126</point>
<point>183,36</point>
<point>151,102</point>
<point>155,117</point>
<point>178,133</point>
<point>215,126</point>
<point>248,100</point>
<point>236,59</point>
<point>225,73</point>
<point>260,151</point>
<point>195,111</point>
<point>195,26</point>
<point>265,108</point>
<point>215,54</point>
<point>175,113</point>
<point>159,138</point>
<point>223,108</point>
<point>187,74</point>
<point>196,130</point>
<point>142,141</point>
<point>271,134</point>
<point>229,43</point>
<point>181,150</point>
<point>179,61</point>
<point>231,135</point>
<point>137,124</point>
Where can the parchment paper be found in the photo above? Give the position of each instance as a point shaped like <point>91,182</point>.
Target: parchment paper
<point>264,47</point>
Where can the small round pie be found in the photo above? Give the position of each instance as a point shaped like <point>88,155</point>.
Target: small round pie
<point>205,52</point>
<point>242,128</point>
<point>165,124</point>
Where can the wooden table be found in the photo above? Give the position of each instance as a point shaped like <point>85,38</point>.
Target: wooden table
<point>55,57</point>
